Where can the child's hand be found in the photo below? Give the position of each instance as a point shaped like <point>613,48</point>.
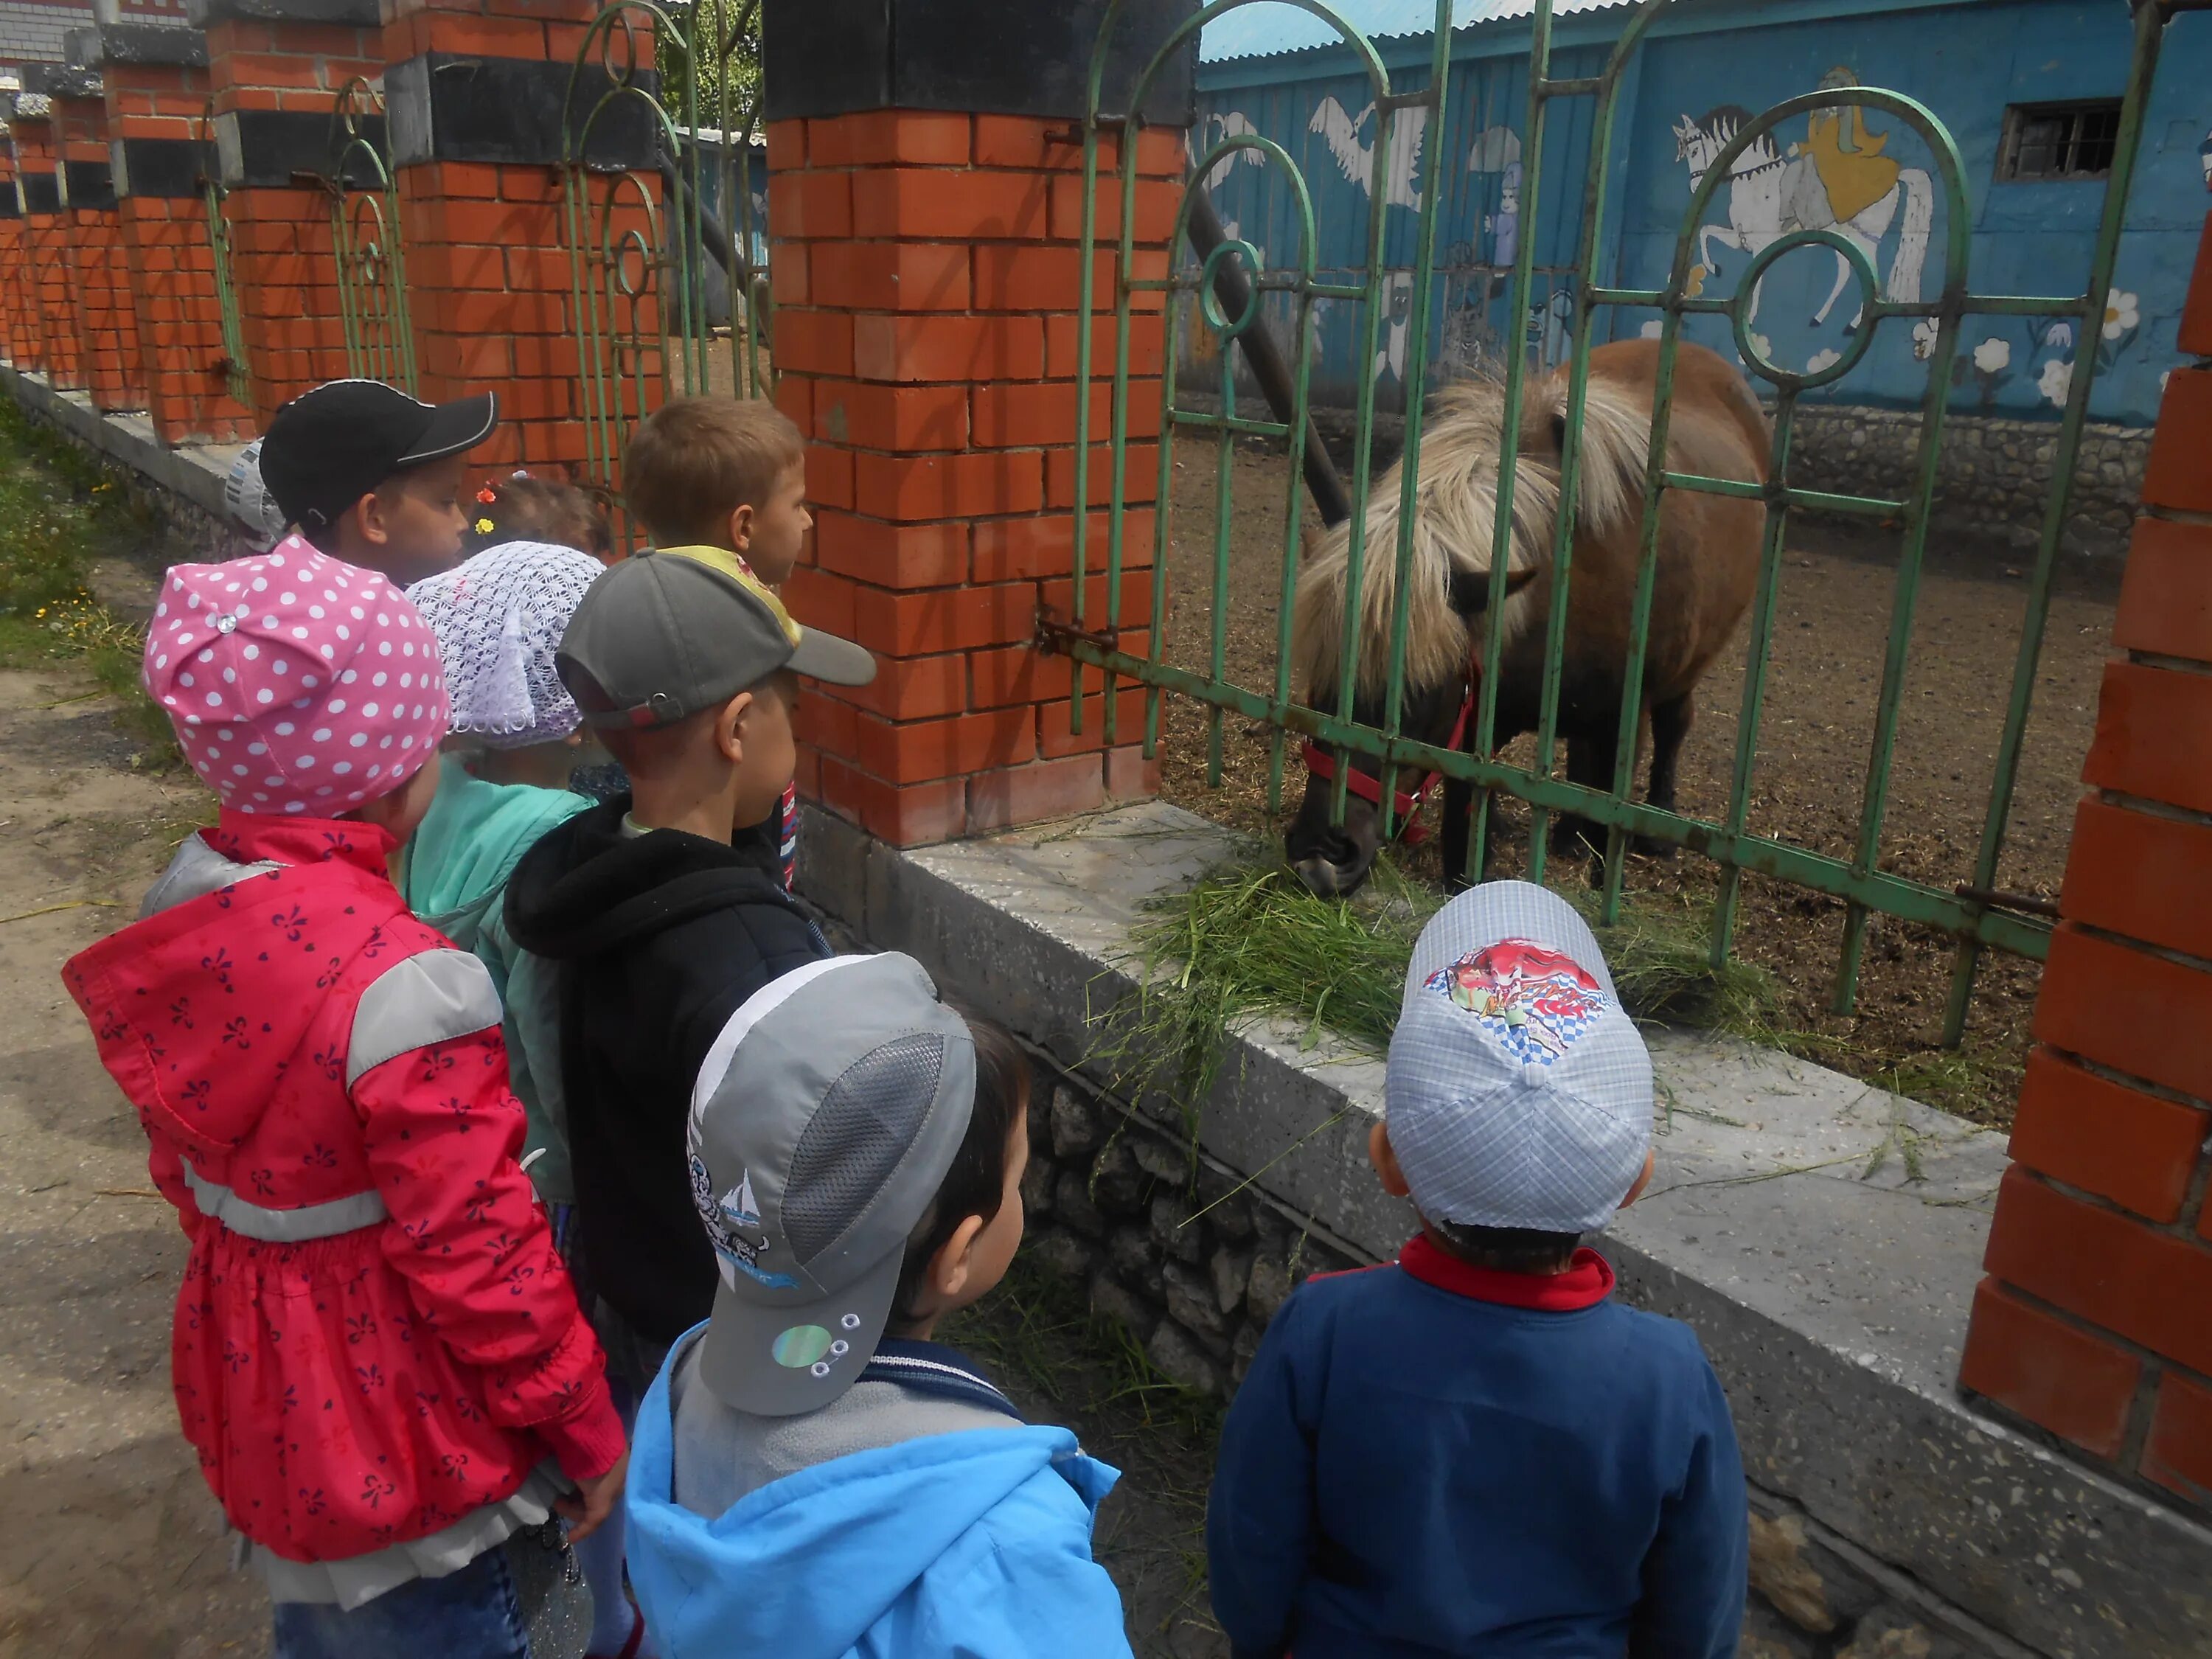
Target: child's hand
<point>595,1501</point>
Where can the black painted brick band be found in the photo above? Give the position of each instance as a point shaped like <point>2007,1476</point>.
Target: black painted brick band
<point>165,168</point>
<point>91,183</point>
<point>274,148</point>
<point>511,111</point>
<point>839,57</point>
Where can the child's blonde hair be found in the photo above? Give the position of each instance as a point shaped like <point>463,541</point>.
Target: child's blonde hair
<point>694,461</point>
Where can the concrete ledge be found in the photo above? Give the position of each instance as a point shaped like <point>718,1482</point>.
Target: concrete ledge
<point>195,473</point>
<point>1828,1284</point>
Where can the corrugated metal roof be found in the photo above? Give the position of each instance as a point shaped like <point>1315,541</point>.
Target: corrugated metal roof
<point>1264,31</point>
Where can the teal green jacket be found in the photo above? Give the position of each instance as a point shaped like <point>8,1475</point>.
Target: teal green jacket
<point>452,873</point>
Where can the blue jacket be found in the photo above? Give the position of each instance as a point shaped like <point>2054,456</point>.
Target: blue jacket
<point>1429,1459</point>
<point>975,1545</point>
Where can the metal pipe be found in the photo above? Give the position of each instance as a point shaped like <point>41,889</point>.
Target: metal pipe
<point>1264,354</point>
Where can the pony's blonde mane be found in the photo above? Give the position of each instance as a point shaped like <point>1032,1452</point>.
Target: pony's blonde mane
<point>1455,518</point>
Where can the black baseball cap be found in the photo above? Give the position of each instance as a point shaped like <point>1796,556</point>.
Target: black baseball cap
<point>329,447</point>
<point>660,636</point>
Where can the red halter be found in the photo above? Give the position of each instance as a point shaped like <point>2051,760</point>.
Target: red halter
<point>1406,806</point>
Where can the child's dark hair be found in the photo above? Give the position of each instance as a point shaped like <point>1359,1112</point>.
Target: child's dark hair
<point>976,1182</point>
<point>1507,1249</point>
<point>522,508</point>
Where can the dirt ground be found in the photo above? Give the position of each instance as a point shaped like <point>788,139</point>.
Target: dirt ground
<point>109,1544</point>
<point>1831,634</point>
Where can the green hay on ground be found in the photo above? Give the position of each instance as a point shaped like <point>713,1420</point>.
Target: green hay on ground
<point>1247,940</point>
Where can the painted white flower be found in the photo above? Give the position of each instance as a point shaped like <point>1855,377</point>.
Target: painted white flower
<point>1824,358</point>
<point>1653,329</point>
<point>2120,313</point>
<point>1924,338</point>
<point>1764,347</point>
<point>2056,380</point>
<point>2059,335</point>
<point>1992,355</point>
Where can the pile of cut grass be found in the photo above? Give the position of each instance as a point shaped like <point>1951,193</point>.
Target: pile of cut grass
<point>1247,941</point>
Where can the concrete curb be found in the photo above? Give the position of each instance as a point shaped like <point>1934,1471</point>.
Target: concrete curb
<point>1831,1300</point>
<point>195,473</point>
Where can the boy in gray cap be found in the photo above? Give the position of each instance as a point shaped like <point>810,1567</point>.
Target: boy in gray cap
<point>663,911</point>
<point>814,1477</point>
<point>1473,1450</point>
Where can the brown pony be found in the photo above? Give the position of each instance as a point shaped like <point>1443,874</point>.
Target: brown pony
<point>1709,547</point>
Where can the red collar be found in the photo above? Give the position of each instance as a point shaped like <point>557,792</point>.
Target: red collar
<point>249,837</point>
<point>1588,1282</point>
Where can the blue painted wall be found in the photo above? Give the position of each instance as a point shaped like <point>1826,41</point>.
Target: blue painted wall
<point>1965,61</point>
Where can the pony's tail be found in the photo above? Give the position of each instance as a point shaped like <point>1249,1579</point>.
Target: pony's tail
<point>1616,446</point>
<point>1912,236</point>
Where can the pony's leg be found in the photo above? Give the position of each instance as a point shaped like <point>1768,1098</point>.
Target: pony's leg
<point>1458,830</point>
<point>1670,724</point>
<point>1590,763</point>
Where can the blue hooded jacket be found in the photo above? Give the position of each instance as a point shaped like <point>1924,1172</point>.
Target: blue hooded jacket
<point>975,1545</point>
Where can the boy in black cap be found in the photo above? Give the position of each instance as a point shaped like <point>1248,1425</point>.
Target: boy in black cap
<point>374,476</point>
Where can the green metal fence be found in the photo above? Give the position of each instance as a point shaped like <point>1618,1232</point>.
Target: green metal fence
<point>236,374</point>
<point>640,232</point>
<point>372,260</point>
<point>1977,916</point>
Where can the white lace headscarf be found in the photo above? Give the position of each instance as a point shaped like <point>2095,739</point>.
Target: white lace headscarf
<point>499,618</point>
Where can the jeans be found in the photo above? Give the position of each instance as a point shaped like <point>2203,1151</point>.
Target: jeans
<point>469,1614</point>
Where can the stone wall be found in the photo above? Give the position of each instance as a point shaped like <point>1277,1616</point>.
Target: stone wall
<point>1995,477</point>
<point>1187,1258</point>
<point>1191,1261</point>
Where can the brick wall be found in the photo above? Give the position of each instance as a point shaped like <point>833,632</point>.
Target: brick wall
<point>927,270</point>
<point>171,262</point>
<point>50,307</point>
<point>2095,1321</point>
<point>281,238</point>
<point>100,276</point>
<point>487,253</point>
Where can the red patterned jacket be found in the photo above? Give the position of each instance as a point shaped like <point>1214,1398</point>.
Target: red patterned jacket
<point>374,1337</point>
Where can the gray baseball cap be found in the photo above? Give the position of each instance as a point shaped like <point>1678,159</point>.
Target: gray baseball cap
<point>659,637</point>
<point>825,1119</point>
<point>1519,1090</point>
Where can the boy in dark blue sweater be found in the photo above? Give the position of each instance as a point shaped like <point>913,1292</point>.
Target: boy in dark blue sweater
<point>1473,1450</point>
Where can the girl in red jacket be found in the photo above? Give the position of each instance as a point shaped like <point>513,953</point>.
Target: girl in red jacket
<point>377,1354</point>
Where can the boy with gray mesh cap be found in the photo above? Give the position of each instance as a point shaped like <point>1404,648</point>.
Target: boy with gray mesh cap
<point>812,1475</point>
<point>1473,1450</point>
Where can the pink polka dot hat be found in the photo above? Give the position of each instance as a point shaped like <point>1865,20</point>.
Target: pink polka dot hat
<point>297,684</point>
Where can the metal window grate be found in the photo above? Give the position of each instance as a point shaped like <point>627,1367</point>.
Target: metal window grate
<point>2059,141</point>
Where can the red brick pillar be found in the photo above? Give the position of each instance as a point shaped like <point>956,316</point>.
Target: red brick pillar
<point>156,83</point>
<point>926,271</point>
<point>275,69</point>
<point>11,260</point>
<point>50,311</point>
<point>2095,1321</point>
<point>107,325</point>
<point>480,207</point>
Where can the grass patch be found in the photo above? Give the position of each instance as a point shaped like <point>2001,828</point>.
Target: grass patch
<point>59,510</point>
<point>1248,941</point>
